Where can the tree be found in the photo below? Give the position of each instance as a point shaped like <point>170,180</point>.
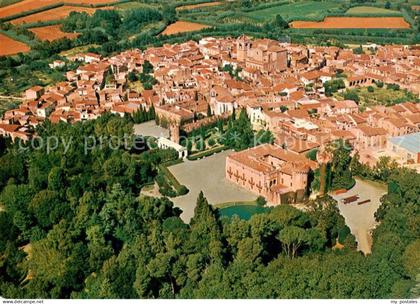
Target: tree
<point>358,50</point>
<point>333,86</point>
<point>292,238</point>
<point>341,176</point>
<point>209,113</point>
<point>387,5</point>
<point>280,22</point>
<point>47,208</point>
<point>351,95</point>
<point>147,67</point>
<point>56,179</point>
<point>169,13</point>
<point>239,134</point>
<point>132,77</point>
<point>261,202</point>
<point>246,3</point>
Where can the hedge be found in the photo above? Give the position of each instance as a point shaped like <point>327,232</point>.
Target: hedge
<point>264,6</point>
<point>55,5</point>
<point>33,11</point>
<point>231,204</point>
<point>185,3</point>
<point>171,179</point>
<point>8,2</point>
<point>40,24</point>
<point>207,153</point>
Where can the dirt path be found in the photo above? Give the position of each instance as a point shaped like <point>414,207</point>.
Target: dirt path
<point>11,97</point>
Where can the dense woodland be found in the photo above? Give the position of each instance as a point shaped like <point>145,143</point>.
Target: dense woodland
<point>87,232</point>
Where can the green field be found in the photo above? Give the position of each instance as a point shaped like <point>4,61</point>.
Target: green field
<point>8,2</point>
<point>362,10</point>
<point>307,10</point>
<point>380,96</point>
<point>131,5</point>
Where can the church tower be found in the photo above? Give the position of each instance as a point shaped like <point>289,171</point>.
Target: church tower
<point>242,47</point>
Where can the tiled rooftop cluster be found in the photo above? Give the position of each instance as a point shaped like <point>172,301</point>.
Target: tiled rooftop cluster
<point>279,85</point>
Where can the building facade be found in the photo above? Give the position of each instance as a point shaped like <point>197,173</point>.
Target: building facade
<point>270,171</point>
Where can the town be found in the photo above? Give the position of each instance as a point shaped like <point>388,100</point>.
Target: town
<point>293,91</point>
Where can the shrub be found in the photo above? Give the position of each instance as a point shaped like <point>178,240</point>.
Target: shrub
<point>261,202</point>
<point>183,190</point>
<point>379,84</point>
<point>370,89</point>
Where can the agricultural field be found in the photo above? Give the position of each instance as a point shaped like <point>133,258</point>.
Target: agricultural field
<point>77,50</point>
<point>7,104</point>
<point>353,22</point>
<point>182,27</point>
<point>8,2</point>
<point>200,5</point>
<point>131,5</point>
<point>296,11</point>
<point>361,10</point>
<point>24,5</point>
<point>8,46</point>
<point>54,14</point>
<point>51,33</point>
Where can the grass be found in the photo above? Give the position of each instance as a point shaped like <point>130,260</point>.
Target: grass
<point>361,10</point>
<point>136,85</point>
<point>7,104</point>
<point>77,50</point>
<point>380,96</point>
<point>132,5</point>
<point>296,11</point>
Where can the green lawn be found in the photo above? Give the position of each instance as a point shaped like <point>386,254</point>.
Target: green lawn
<point>370,10</point>
<point>296,11</point>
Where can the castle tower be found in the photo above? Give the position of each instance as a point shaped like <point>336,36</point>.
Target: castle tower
<point>174,132</point>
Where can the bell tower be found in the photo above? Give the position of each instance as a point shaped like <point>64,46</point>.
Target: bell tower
<point>242,47</point>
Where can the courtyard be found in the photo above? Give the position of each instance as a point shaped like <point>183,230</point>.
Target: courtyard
<point>361,218</point>
<point>207,175</point>
<point>150,128</point>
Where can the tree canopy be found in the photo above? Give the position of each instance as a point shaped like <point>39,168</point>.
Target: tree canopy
<point>75,225</point>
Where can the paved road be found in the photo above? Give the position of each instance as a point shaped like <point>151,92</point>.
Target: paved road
<point>360,218</point>
<point>208,175</point>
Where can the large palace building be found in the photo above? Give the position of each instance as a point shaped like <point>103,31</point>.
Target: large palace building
<point>262,54</point>
<point>271,172</point>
